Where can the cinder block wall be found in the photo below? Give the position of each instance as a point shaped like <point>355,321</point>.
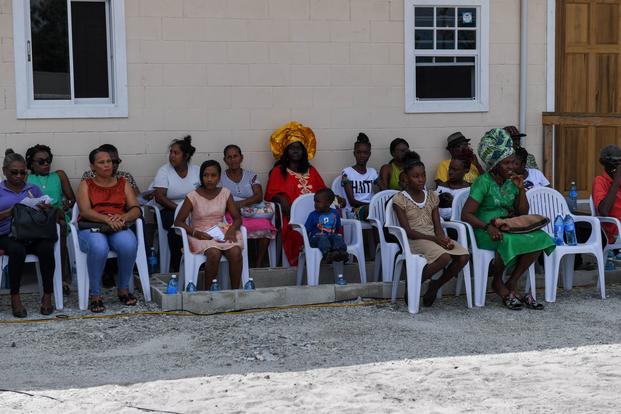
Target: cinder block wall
<point>231,71</point>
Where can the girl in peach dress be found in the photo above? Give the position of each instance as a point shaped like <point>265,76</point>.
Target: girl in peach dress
<point>206,207</point>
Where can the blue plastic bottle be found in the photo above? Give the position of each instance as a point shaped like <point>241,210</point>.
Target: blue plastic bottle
<point>249,284</point>
<point>152,261</point>
<point>340,280</point>
<point>572,200</point>
<point>570,231</point>
<point>215,286</point>
<point>172,286</point>
<point>191,287</point>
<point>559,230</point>
<point>610,264</point>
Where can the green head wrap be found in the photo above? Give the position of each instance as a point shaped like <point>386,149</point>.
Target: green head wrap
<point>495,146</point>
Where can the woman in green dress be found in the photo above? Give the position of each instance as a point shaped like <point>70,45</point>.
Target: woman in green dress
<point>56,185</point>
<point>500,193</point>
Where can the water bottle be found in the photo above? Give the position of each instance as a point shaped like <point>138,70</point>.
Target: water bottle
<point>610,265</point>
<point>570,231</point>
<point>249,284</point>
<point>559,230</point>
<point>191,287</point>
<point>152,261</point>
<point>340,280</point>
<point>572,200</point>
<point>215,286</point>
<point>171,289</point>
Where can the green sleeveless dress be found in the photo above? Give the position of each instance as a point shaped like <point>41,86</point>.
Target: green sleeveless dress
<point>395,172</point>
<point>51,186</point>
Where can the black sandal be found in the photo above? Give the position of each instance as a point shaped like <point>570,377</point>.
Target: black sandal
<point>531,303</point>
<point>511,302</point>
<point>97,306</point>
<point>128,299</point>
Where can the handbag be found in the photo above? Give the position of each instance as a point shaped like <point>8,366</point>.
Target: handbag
<point>30,224</point>
<point>98,227</point>
<point>521,224</point>
<point>263,209</point>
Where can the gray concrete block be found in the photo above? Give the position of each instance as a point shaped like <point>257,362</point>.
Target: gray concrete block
<point>260,298</point>
<point>307,295</point>
<point>350,291</point>
<point>209,302</point>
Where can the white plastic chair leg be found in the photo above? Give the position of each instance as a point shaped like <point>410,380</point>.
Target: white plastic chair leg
<point>568,271</point>
<point>299,271</point>
<point>271,253</point>
<point>58,277</point>
<point>396,278</point>
<point>377,264</point>
<point>414,286</point>
<point>552,266</point>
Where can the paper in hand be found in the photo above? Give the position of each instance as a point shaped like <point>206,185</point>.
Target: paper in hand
<point>216,233</point>
<point>34,202</point>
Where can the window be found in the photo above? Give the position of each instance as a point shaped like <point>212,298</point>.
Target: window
<point>70,58</point>
<point>446,55</point>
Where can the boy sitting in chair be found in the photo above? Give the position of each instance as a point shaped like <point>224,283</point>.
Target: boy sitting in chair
<point>324,227</point>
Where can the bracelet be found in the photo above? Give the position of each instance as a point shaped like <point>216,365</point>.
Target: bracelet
<point>486,226</point>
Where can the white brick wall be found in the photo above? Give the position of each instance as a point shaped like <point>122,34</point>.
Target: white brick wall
<point>233,70</point>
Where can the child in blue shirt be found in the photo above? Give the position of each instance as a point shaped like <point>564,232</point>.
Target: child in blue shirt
<point>323,226</point>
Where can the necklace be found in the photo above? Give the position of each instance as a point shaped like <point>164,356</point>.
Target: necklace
<point>44,184</point>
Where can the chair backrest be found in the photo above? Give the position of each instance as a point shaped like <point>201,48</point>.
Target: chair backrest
<point>459,199</point>
<point>547,202</point>
<point>390,215</point>
<point>301,208</point>
<point>337,188</point>
<point>75,212</point>
<point>377,206</point>
<point>592,207</point>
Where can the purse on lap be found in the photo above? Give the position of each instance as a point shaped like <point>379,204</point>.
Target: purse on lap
<point>30,224</point>
<point>97,227</point>
<point>264,209</point>
<point>521,224</point>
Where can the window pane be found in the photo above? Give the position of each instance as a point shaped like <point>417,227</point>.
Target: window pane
<point>423,16</point>
<point>50,49</point>
<point>445,17</point>
<point>90,49</point>
<point>445,81</point>
<point>424,59</point>
<point>423,39</point>
<point>467,39</point>
<point>445,39</point>
<point>445,59</point>
<point>466,59</point>
<point>467,17</point>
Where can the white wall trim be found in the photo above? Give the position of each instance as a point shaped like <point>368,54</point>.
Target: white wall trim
<point>551,56</point>
<point>482,103</point>
<point>27,109</point>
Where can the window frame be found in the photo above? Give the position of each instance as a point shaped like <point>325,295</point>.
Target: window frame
<point>481,103</point>
<point>114,107</point>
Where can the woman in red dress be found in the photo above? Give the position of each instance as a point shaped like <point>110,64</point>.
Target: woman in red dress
<point>293,145</point>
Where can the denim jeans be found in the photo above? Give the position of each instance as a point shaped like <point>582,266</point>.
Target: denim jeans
<point>97,245</point>
<point>328,242</point>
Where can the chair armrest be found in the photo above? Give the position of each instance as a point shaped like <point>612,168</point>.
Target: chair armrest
<point>357,228</point>
<point>596,228</point>
<point>300,228</point>
<point>184,238</point>
<point>453,225</point>
<point>611,220</point>
<point>402,237</point>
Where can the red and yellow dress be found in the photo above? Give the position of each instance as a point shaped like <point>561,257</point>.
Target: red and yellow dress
<point>292,186</point>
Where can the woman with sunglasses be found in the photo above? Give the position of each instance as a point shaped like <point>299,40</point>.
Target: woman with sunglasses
<point>13,190</point>
<point>56,185</point>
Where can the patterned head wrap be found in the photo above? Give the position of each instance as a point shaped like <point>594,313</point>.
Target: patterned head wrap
<point>288,134</point>
<point>495,146</point>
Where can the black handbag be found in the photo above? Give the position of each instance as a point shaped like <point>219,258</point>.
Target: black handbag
<point>104,228</point>
<point>30,224</point>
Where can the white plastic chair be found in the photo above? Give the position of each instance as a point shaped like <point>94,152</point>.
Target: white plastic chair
<point>612,244</point>
<point>550,203</point>
<point>191,262</point>
<point>58,274</point>
<point>162,238</point>
<point>414,262</point>
<point>385,252</point>
<point>311,256</point>
<point>481,258</point>
<point>82,269</point>
<point>283,255</point>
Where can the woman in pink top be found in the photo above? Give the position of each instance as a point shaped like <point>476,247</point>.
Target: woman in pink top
<point>206,207</point>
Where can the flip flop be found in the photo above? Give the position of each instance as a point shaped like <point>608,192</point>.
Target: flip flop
<point>511,302</point>
<point>531,303</point>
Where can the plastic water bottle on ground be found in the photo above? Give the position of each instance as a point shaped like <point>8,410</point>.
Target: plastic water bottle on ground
<point>340,280</point>
<point>215,286</point>
<point>570,231</point>
<point>152,261</point>
<point>610,264</point>
<point>249,284</point>
<point>191,287</point>
<point>172,287</point>
<point>572,200</point>
<point>559,230</point>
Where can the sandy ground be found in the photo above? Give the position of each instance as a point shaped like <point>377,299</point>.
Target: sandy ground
<point>334,359</point>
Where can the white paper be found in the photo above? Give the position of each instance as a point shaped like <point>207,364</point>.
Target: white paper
<point>216,233</point>
<point>34,202</point>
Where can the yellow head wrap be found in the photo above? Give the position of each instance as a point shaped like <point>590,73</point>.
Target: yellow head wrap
<point>288,134</point>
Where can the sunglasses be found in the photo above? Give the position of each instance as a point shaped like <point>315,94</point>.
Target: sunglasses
<point>43,161</point>
<point>17,172</point>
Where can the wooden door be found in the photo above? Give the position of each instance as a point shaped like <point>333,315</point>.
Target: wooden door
<point>588,83</point>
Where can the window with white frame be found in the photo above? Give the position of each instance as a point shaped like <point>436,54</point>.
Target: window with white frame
<point>70,58</point>
<point>446,55</point>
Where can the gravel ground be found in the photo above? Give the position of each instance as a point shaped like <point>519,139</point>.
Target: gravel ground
<point>126,350</point>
